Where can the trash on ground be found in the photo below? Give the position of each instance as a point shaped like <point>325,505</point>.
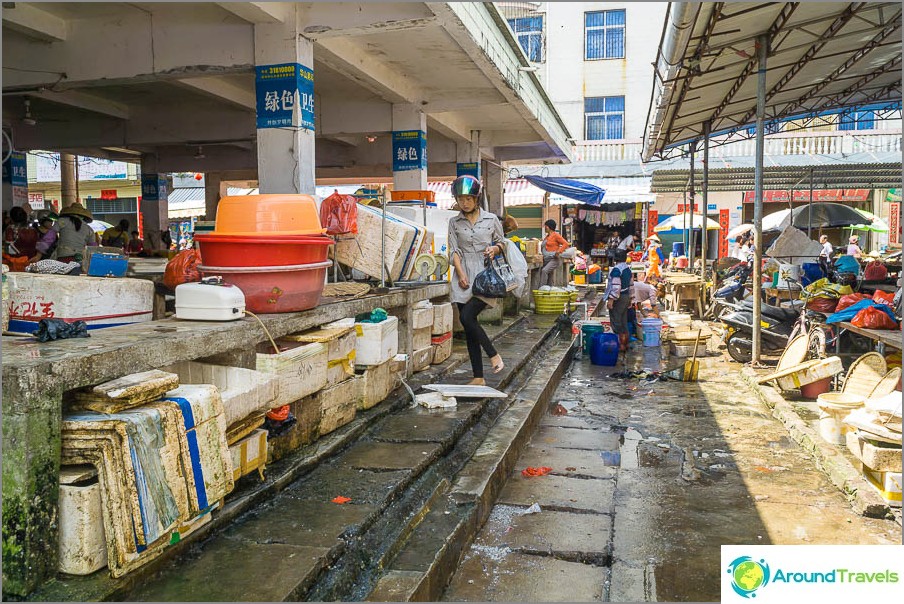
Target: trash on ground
<point>340,499</point>
<point>559,410</point>
<point>435,400</point>
<point>531,471</point>
<point>533,509</point>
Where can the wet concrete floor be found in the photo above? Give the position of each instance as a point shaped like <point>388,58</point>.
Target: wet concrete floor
<point>648,480</point>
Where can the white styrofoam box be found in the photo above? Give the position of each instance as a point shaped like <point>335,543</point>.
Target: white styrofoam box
<point>83,543</point>
<point>339,370</point>
<point>437,223</point>
<point>887,483</point>
<point>204,302</point>
<point>249,454</point>
<point>400,364</point>
<point>343,347</point>
<point>244,391</point>
<point>338,405</point>
<point>300,368</point>
<point>403,242</point>
<point>375,383</point>
<point>420,338</point>
<point>879,457</point>
<point>422,317</point>
<point>442,318</point>
<point>376,343</point>
<point>810,372</point>
<point>421,358</point>
<point>99,301</point>
<point>442,349</point>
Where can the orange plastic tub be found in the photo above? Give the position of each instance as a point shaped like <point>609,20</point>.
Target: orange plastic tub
<point>273,214</point>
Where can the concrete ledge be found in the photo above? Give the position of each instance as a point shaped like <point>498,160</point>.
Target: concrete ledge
<point>829,458</point>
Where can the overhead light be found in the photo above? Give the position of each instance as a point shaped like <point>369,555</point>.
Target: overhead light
<point>200,153</point>
<point>528,68</point>
<point>370,138</point>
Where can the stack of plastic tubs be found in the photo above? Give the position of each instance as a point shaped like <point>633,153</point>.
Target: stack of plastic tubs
<point>271,247</point>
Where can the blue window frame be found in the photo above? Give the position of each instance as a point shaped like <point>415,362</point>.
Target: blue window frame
<point>771,128</point>
<point>604,35</point>
<point>604,117</point>
<point>529,31</point>
<point>857,120</point>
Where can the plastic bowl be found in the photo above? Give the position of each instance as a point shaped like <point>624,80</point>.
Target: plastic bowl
<point>268,214</point>
<point>261,250</point>
<point>275,289</point>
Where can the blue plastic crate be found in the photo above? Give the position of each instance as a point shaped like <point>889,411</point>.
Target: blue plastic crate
<point>108,265</point>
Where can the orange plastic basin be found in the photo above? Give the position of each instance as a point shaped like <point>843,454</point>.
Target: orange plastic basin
<point>273,214</point>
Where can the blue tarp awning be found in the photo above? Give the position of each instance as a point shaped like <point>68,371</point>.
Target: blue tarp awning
<point>566,187</point>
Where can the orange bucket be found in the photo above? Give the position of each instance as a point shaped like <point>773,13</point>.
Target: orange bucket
<point>272,214</point>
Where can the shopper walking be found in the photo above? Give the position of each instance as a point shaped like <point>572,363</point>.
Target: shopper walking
<point>552,247</point>
<point>474,236</point>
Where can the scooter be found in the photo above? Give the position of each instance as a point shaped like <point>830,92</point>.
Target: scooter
<point>731,291</point>
<point>776,327</point>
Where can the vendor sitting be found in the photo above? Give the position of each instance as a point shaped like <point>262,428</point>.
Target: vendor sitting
<point>646,296</point>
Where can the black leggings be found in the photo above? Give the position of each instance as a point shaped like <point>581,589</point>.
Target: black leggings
<point>474,334</point>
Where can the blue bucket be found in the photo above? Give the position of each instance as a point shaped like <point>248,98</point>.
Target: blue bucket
<point>652,329</point>
<point>678,249</point>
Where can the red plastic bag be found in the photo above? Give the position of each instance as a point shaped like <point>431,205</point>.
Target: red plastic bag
<point>279,414</point>
<point>849,300</point>
<point>339,214</point>
<point>825,306</point>
<point>873,318</point>
<point>182,269</point>
<point>884,297</point>
<point>875,271</point>
<point>531,471</point>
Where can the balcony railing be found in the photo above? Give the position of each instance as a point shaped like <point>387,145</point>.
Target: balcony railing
<point>785,143</point>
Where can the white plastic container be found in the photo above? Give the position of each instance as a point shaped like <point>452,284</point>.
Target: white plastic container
<point>300,369</point>
<point>833,408</point>
<point>83,544</point>
<point>788,271</point>
<point>422,318</point>
<point>209,302</point>
<point>376,343</point>
<point>420,338</point>
<point>98,301</point>
<point>244,391</point>
<point>442,318</point>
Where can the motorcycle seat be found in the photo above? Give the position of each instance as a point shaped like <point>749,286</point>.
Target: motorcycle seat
<point>777,313</point>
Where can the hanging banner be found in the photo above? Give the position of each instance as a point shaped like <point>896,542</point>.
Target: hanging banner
<point>108,194</point>
<point>409,150</point>
<point>893,196</point>
<point>15,172</point>
<point>835,195</point>
<point>36,201</point>
<point>153,188</point>
<point>894,223</point>
<point>285,96</point>
<point>724,227</point>
<point>469,169</point>
<point>652,221</point>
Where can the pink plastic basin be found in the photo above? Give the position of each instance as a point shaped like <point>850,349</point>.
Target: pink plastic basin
<point>261,250</point>
<point>275,289</point>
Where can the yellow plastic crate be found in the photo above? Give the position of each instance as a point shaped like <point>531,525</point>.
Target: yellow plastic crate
<point>552,303</point>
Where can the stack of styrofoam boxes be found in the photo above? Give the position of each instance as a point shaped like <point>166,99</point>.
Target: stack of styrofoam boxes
<point>376,345</point>
<point>421,327</point>
<point>339,400</point>
<point>881,465</point>
<point>441,332</point>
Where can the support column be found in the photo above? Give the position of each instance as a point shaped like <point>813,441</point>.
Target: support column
<point>467,157</point>
<point>705,195</point>
<point>762,50</point>
<point>284,86</point>
<point>212,193</point>
<point>154,207</point>
<point>68,182</point>
<point>409,148</point>
<point>693,232</point>
<point>494,181</point>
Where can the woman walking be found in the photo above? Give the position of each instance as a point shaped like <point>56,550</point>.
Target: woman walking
<point>553,246</point>
<point>474,235</point>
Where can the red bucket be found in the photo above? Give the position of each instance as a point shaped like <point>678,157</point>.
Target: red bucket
<point>814,389</point>
<point>261,250</point>
<point>275,289</point>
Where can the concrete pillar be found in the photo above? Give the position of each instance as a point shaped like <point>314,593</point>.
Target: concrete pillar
<point>494,181</point>
<point>285,107</point>
<point>154,206</point>
<point>467,157</point>
<point>212,193</point>
<point>68,182</point>
<point>409,148</point>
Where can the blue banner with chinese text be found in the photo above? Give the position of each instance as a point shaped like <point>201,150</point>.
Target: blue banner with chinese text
<point>285,96</point>
<point>409,150</point>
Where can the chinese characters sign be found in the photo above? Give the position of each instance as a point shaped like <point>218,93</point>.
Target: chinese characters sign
<point>153,188</point>
<point>894,223</point>
<point>409,150</point>
<point>285,96</point>
<point>469,169</point>
<point>652,221</point>
<point>15,172</point>
<point>724,226</point>
<point>834,195</point>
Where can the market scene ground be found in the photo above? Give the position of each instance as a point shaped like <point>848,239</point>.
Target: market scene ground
<point>641,302</point>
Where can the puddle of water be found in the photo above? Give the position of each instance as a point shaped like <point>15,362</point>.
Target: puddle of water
<point>611,458</point>
<point>629,443</point>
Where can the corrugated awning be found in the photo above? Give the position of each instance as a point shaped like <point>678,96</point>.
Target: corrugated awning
<point>185,202</point>
<point>518,192</point>
<point>843,176</point>
<point>823,57</point>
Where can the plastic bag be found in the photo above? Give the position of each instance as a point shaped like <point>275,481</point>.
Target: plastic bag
<point>182,269</point>
<point>875,271</point>
<point>873,318</point>
<point>489,284</point>
<point>518,264</point>
<point>850,300</point>
<point>339,214</point>
<point>569,253</point>
<point>822,288</point>
<point>824,306</point>
<point>884,297</point>
<point>58,329</point>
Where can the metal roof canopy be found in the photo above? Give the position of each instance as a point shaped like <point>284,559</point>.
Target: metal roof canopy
<point>822,57</point>
<point>845,176</point>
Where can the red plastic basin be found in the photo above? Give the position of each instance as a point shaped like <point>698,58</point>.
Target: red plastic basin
<point>275,289</point>
<point>261,250</point>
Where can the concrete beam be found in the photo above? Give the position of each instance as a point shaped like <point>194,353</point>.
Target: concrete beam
<point>349,59</point>
<point>26,18</point>
<point>221,89</point>
<point>318,33</point>
<point>89,102</point>
<point>450,126</point>
<point>256,12</point>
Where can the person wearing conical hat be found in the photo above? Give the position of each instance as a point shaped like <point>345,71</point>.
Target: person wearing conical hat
<point>74,234</point>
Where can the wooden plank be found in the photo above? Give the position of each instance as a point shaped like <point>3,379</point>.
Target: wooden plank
<point>889,337</point>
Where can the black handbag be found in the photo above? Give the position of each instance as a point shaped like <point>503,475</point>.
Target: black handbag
<point>488,283</point>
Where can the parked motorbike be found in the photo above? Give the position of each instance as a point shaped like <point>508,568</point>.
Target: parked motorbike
<point>731,290</point>
<point>776,325</point>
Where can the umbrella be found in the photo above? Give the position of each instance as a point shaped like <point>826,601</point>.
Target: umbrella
<point>682,222</point>
<point>99,226</point>
<point>738,230</point>
<point>824,215</point>
<point>873,223</point>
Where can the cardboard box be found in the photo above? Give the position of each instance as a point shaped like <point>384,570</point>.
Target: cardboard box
<point>338,405</point>
<point>879,457</point>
